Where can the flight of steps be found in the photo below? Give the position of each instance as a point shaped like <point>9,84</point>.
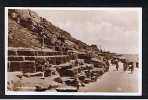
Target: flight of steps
<point>24,59</point>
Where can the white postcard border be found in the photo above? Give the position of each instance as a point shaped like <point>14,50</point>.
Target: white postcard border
<point>139,93</point>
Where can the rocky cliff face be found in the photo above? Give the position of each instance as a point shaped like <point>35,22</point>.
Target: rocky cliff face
<point>26,29</point>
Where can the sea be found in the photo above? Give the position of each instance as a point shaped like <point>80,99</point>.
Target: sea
<point>131,57</point>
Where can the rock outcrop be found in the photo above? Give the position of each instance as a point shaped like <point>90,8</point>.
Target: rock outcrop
<point>25,28</point>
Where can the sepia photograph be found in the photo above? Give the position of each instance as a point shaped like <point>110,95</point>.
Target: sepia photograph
<point>73,51</point>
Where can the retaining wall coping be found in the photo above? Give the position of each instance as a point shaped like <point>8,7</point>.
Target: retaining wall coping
<point>41,56</point>
<point>30,49</point>
<point>21,61</point>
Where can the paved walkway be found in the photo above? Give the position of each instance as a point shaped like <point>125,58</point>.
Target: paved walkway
<point>114,81</point>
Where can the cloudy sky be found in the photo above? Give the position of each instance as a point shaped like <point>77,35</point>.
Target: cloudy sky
<point>113,30</point>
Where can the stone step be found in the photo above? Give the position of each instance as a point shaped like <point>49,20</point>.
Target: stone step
<point>33,53</point>
<point>28,64</point>
<point>23,58</point>
<point>24,66</point>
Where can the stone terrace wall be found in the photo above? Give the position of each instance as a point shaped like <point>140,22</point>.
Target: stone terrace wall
<point>24,59</point>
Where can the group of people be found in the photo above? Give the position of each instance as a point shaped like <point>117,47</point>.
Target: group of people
<point>127,66</point>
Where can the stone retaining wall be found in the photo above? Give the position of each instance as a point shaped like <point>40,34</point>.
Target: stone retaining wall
<point>25,59</point>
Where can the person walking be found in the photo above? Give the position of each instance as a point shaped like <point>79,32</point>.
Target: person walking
<point>117,65</point>
<point>124,65</point>
<point>132,67</point>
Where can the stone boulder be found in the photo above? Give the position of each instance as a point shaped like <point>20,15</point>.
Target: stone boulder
<point>70,81</point>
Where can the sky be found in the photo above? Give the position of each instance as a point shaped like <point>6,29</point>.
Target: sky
<point>113,30</point>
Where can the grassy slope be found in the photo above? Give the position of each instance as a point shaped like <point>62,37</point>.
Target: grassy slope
<point>21,37</point>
